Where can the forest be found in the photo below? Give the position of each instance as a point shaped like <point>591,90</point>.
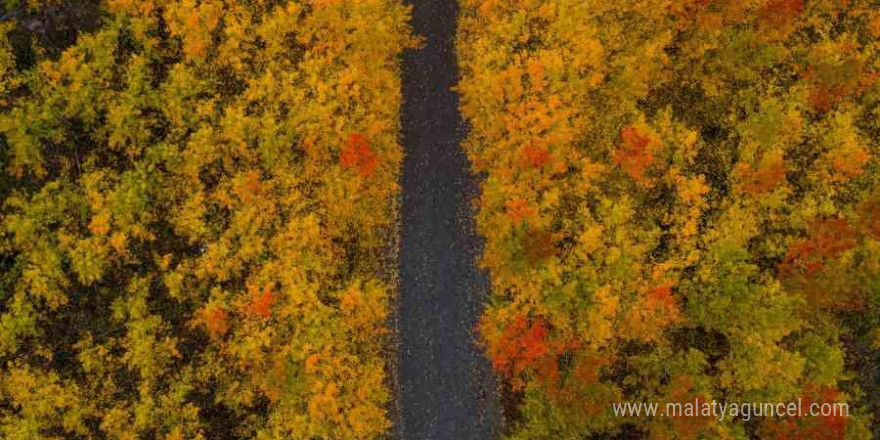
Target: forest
<point>197,198</point>
<point>681,201</point>
<point>199,215</point>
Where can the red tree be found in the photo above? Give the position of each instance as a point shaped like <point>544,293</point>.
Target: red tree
<point>358,154</point>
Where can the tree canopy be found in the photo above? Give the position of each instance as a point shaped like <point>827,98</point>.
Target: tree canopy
<point>681,199</point>
<point>198,198</point>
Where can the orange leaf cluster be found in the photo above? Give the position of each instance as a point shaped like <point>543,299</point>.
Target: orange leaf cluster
<point>261,300</point>
<point>636,154</point>
<point>828,239</point>
<point>535,156</point>
<point>849,164</point>
<point>358,154</point>
<point>661,299</point>
<point>804,427</point>
<point>526,347</point>
<point>763,179</point>
<point>215,320</point>
<point>588,368</point>
<point>519,210</point>
<point>824,98</point>
<point>651,313</point>
<point>779,13</point>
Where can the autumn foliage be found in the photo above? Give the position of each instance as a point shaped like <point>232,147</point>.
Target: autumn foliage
<point>706,173</point>
<point>831,427</point>
<point>635,153</point>
<point>525,348</point>
<point>195,196</point>
<point>358,155</point>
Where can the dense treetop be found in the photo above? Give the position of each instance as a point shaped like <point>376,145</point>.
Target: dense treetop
<point>681,200</point>
<point>197,200</point>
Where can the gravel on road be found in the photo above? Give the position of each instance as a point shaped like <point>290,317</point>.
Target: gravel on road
<point>446,389</point>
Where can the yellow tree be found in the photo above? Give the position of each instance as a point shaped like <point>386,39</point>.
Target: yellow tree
<point>191,240</point>
<point>677,204</point>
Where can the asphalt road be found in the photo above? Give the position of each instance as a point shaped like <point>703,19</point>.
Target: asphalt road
<point>446,389</point>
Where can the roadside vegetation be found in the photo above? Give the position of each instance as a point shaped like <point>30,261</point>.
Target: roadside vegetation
<point>680,200</point>
<point>196,199</point>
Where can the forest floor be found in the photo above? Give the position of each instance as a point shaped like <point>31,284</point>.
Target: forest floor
<point>445,386</point>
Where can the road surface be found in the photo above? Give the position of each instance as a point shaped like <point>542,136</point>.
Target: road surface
<point>446,390</point>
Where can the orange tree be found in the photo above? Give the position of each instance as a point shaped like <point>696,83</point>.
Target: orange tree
<point>197,198</point>
<point>680,200</point>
